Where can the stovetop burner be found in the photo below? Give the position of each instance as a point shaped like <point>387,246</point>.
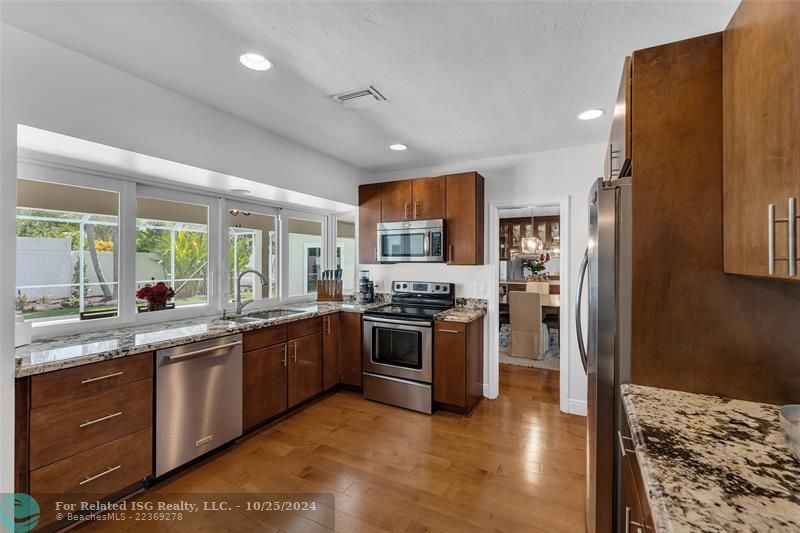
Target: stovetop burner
<point>419,300</point>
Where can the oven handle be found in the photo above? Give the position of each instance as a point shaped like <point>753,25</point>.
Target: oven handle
<point>426,244</point>
<point>422,323</point>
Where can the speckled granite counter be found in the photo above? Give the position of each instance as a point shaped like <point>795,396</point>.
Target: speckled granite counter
<point>712,464</point>
<point>47,355</point>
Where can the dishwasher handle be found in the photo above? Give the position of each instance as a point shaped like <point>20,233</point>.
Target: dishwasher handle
<point>195,353</point>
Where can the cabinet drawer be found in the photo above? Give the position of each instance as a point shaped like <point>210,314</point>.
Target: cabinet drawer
<point>82,381</point>
<point>261,338</point>
<point>65,429</point>
<point>301,328</point>
<point>100,472</point>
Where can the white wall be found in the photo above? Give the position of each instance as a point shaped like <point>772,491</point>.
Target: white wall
<point>50,87</point>
<point>523,178</point>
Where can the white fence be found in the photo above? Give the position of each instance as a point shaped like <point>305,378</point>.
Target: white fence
<point>43,262</point>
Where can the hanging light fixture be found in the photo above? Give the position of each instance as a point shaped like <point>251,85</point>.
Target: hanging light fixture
<point>532,244</point>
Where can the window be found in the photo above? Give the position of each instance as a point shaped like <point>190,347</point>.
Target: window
<point>172,247</point>
<point>346,252</point>
<point>304,250</point>
<point>67,252</point>
<point>253,244</point>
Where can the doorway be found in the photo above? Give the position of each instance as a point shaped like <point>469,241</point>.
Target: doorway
<point>528,325</point>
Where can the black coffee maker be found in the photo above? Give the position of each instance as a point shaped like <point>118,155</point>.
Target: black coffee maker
<point>366,288</point>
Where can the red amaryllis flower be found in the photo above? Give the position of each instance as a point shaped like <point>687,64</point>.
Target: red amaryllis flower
<point>157,294</point>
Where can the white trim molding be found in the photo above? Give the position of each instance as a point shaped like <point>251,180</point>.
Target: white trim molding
<point>492,386</point>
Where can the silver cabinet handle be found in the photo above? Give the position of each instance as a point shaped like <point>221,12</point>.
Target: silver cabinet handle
<point>101,474</point>
<point>294,357</point>
<point>415,209</point>
<point>448,331</point>
<point>285,359</point>
<point>622,448</point>
<point>98,378</point>
<point>578,302</point>
<point>101,419</point>
<point>791,232</point>
<point>405,211</point>
<point>175,358</point>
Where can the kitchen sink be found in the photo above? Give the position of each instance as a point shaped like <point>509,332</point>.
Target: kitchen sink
<point>274,313</point>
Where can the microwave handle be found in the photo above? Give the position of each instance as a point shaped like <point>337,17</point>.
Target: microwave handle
<point>426,244</point>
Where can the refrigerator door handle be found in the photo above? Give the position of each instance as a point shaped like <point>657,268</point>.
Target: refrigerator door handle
<point>578,302</point>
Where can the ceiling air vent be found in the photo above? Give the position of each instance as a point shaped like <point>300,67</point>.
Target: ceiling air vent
<point>360,97</point>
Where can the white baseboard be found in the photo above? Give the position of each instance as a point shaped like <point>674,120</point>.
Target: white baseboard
<point>486,392</point>
<point>576,407</point>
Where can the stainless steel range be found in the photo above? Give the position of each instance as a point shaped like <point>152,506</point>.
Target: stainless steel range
<point>398,344</point>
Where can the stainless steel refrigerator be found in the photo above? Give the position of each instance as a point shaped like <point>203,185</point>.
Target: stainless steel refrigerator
<point>606,269</point>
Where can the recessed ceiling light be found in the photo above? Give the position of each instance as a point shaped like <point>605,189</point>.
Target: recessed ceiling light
<point>240,191</point>
<point>255,61</point>
<point>591,114</point>
<point>399,147</point>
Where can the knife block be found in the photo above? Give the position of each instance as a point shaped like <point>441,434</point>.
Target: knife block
<point>329,290</point>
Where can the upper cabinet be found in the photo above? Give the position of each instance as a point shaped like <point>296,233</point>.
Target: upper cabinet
<point>464,221</point>
<point>761,139</point>
<point>415,199</point>
<point>457,198</point>
<point>618,154</point>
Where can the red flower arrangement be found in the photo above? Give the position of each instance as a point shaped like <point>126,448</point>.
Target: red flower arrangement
<point>156,295</point>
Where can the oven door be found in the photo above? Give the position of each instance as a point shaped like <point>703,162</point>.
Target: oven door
<point>399,348</point>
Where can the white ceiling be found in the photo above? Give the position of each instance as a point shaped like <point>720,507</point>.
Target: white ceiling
<point>464,80</point>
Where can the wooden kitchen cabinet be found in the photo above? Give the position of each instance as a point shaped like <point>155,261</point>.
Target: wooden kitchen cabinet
<point>428,198</point>
<point>761,136</point>
<point>465,220</point>
<point>458,364</point>
<point>618,161</point>
<point>635,513</point>
<point>350,342</point>
<point>305,368</point>
<point>396,200</point>
<point>330,351</point>
<point>264,382</point>
<point>369,214</point>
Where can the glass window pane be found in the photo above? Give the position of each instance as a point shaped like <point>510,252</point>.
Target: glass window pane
<point>171,248</point>
<point>305,255</point>
<point>252,244</point>
<point>346,253</point>
<point>66,252</point>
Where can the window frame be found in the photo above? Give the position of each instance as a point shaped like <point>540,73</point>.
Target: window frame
<point>333,220</point>
<point>130,188</point>
<point>59,175</point>
<point>283,259</point>
<point>259,209</point>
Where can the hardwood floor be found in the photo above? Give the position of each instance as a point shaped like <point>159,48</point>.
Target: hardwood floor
<point>517,464</point>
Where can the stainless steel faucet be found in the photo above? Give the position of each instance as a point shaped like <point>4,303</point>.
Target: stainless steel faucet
<point>239,303</point>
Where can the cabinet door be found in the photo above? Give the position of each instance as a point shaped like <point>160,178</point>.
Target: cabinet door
<point>396,198</point>
<point>305,368</point>
<point>330,351</point>
<point>618,156</point>
<point>264,384</point>
<point>464,231</point>
<point>449,363</point>
<point>761,137</point>
<point>350,342</point>
<point>428,195</point>
<point>633,517</point>
<point>369,214</point>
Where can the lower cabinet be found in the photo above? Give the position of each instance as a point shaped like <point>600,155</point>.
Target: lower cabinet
<point>350,343</point>
<point>458,364</point>
<point>283,374</point>
<point>305,368</point>
<point>330,351</point>
<point>635,514</point>
<point>264,384</point>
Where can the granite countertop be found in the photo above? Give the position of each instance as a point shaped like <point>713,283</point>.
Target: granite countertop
<point>713,464</point>
<point>47,355</point>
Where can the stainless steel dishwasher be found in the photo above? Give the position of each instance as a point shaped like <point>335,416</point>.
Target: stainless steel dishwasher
<point>198,399</point>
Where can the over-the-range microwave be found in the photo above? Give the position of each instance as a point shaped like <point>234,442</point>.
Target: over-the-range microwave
<point>414,241</point>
